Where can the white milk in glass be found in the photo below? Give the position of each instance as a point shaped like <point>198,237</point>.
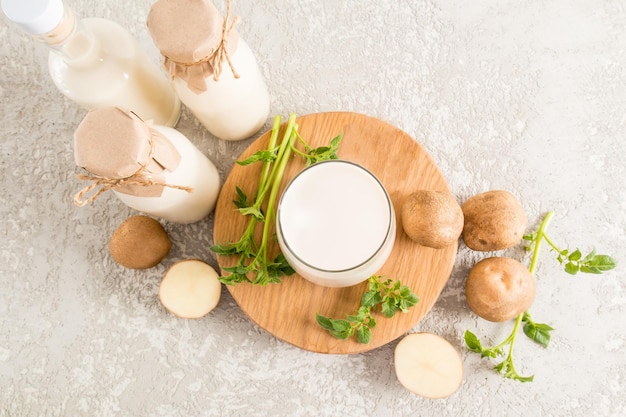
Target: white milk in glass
<point>336,224</point>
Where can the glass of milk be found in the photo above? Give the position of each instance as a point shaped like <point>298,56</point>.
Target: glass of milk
<point>335,223</point>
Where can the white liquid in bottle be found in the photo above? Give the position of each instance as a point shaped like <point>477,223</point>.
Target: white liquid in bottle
<point>195,170</point>
<point>96,63</point>
<point>231,108</point>
<point>152,169</point>
<point>213,70</point>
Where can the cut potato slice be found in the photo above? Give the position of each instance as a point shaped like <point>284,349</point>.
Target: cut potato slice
<point>190,289</point>
<point>428,365</point>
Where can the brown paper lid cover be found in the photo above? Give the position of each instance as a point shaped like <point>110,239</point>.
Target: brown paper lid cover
<point>189,33</point>
<point>114,143</point>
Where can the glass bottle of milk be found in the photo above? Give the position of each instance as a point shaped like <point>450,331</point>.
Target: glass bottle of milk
<point>153,169</point>
<point>213,70</point>
<point>95,62</point>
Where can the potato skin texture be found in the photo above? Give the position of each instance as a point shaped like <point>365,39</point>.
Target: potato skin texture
<point>140,242</point>
<point>432,218</point>
<point>498,289</point>
<point>494,220</point>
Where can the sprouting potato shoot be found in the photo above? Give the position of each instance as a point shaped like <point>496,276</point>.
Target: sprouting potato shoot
<point>190,289</point>
<point>498,289</point>
<point>494,220</point>
<point>432,218</point>
<point>428,365</point>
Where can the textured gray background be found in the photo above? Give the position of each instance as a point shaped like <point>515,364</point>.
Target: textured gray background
<point>528,96</point>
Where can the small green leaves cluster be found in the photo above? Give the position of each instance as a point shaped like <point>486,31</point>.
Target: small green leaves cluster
<point>254,265</point>
<point>573,262</point>
<point>389,295</point>
<point>322,153</point>
<point>537,332</point>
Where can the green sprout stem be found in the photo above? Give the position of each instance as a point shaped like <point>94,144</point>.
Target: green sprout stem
<point>278,171</point>
<point>268,164</point>
<point>253,262</point>
<point>541,234</point>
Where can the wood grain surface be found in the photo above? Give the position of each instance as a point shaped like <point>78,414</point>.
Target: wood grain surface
<point>287,310</point>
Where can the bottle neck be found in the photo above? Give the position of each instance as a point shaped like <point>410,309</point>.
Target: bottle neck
<point>76,44</point>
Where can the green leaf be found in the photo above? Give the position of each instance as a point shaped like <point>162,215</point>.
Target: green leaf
<point>280,267</point>
<point>389,307</point>
<point>572,268</point>
<point>507,369</point>
<point>226,249</point>
<point>370,298</point>
<point>341,325</point>
<point>325,322</point>
<point>264,155</point>
<point>492,352</point>
<point>407,302</point>
<point>252,211</point>
<point>233,279</point>
<point>575,256</point>
<point>538,333</point>
<point>261,276</point>
<point>524,378</point>
<point>590,269</point>
<point>242,198</point>
<point>363,334</point>
<point>603,262</point>
<point>589,256</point>
<point>237,269</point>
<point>472,342</point>
<point>322,153</point>
<point>363,313</point>
<point>343,335</point>
<point>334,143</point>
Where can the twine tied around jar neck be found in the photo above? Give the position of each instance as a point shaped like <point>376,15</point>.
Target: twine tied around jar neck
<point>137,178</point>
<point>222,53</point>
<point>216,58</point>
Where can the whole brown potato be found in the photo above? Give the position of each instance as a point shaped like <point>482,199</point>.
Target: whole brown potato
<point>494,220</point>
<point>498,289</point>
<point>432,218</point>
<point>140,242</point>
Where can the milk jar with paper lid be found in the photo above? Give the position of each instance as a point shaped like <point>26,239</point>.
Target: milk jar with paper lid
<point>212,68</point>
<point>153,169</point>
<point>95,62</point>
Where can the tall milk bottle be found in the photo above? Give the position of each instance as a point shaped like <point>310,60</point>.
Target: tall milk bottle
<point>213,70</point>
<point>95,62</point>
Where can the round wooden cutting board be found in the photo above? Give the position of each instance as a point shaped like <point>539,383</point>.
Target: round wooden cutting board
<point>287,310</point>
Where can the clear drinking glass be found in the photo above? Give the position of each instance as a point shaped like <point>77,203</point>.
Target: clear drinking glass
<point>335,223</point>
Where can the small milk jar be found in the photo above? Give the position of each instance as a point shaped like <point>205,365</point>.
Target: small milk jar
<point>213,70</point>
<point>95,62</point>
<point>152,169</point>
<point>335,223</point>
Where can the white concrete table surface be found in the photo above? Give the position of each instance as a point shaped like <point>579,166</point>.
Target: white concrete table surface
<point>527,96</point>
